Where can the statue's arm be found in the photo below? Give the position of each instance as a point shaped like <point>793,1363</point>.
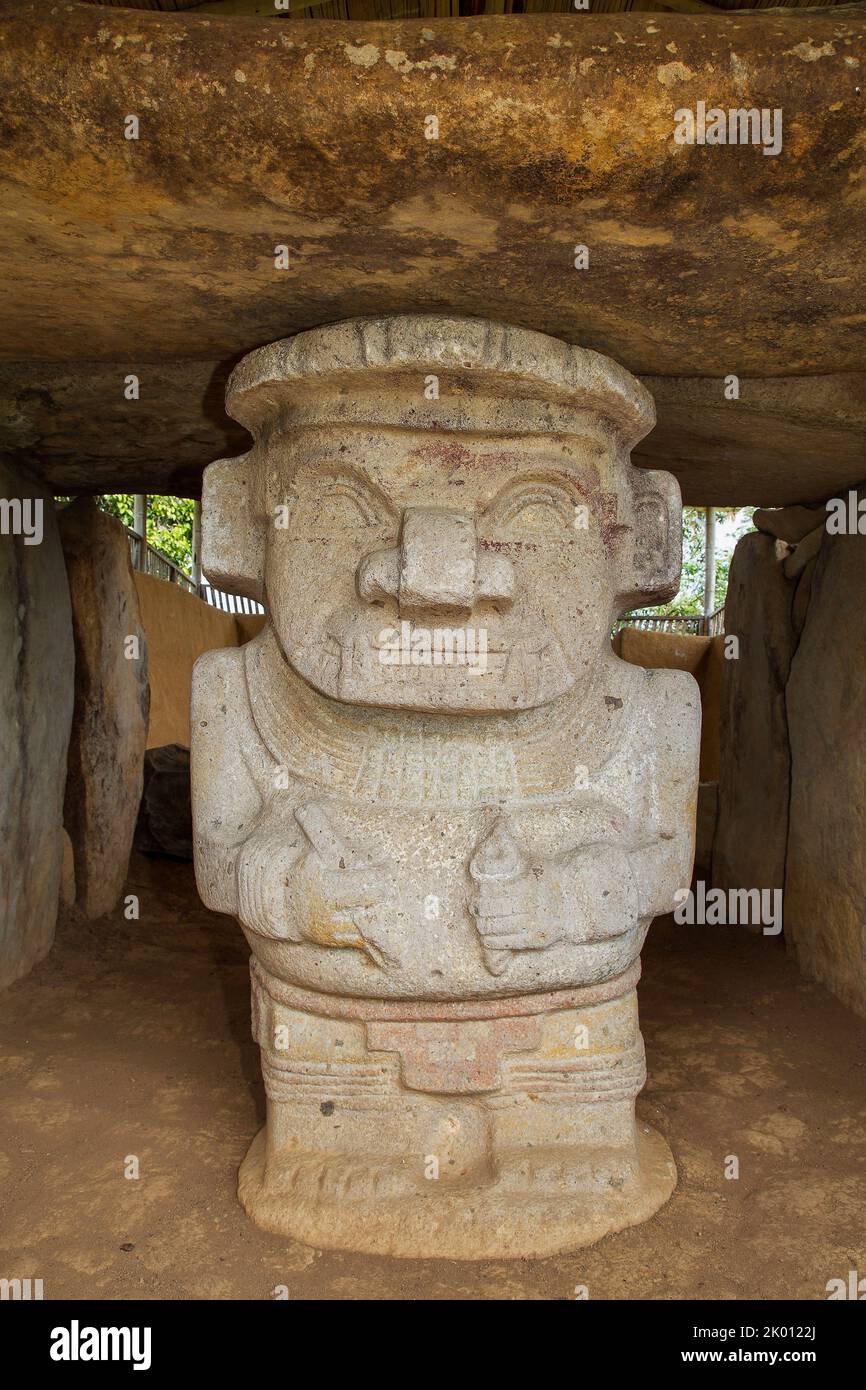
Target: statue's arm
<point>637,871</point>
<point>238,835</point>
<point>616,876</point>
<point>277,865</point>
<point>664,864</point>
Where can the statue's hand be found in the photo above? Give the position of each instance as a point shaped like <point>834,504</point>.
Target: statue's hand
<point>516,901</point>
<point>601,891</point>
<point>265,867</point>
<point>527,904</point>
<point>340,890</point>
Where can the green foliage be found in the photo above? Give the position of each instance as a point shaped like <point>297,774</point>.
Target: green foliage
<point>169,523</point>
<point>731,524</point>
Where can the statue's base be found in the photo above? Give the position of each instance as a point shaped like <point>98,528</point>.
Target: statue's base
<point>471,1130</point>
<point>494,1221</point>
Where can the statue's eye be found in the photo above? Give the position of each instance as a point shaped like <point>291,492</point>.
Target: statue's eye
<point>542,512</point>
<point>333,510</point>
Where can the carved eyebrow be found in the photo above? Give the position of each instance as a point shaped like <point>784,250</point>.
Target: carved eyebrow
<point>561,494</point>
<point>370,500</point>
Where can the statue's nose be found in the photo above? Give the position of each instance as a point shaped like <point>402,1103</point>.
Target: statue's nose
<point>437,567</point>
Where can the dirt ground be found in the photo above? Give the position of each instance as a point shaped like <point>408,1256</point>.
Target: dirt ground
<point>132,1038</point>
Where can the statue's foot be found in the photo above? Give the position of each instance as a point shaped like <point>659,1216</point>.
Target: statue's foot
<point>539,1203</point>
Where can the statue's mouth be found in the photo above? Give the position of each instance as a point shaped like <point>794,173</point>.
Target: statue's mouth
<point>417,666</point>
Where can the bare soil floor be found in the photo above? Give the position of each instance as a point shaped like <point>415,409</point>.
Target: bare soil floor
<point>132,1038</point>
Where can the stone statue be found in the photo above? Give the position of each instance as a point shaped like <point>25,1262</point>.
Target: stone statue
<point>444,812</point>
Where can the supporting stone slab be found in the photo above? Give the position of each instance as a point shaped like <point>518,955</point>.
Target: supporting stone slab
<point>109,727</point>
<point>36,689</point>
<point>754,780</point>
<point>825,884</point>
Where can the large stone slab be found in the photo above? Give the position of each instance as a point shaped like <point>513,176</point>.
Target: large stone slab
<point>825,889</point>
<point>553,131</point>
<point>754,776</point>
<point>36,684</point>
<point>782,440</point>
<point>109,727</point>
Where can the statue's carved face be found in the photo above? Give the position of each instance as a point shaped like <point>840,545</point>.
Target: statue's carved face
<point>450,574</point>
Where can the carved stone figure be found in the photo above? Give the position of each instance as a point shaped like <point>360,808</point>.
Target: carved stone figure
<point>444,812</point>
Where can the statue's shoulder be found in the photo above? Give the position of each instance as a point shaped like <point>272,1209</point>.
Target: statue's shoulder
<point>667,684</point>
<point>671,685</point>
<point>223,665</point>
<point>676,707</point>
<point>219,682</point>
<point>662,696</point>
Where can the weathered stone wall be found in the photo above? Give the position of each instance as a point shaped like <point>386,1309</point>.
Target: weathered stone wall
<point>792,794</point>
<point>36,675</point>
<point>825,887</point>
<point>109,726</point>
<point>754,775</point>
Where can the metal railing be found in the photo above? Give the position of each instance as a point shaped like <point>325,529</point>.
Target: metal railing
<point>694,624</point>
<point>153,562</point>
<point>229,603</point>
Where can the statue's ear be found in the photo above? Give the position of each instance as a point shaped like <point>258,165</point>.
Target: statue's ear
<point>233,541</point>
<point>657,540</point>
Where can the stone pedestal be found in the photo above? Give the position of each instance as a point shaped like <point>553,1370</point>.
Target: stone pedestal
<point>444,812</point>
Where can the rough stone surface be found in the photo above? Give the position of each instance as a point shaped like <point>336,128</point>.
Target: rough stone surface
<point>554,130</point>
<point>754,779</point>
<point>445,865</point>
<point>825,889</point>
<point>165,815</point>
<point>35,713</point>
<point>703,657</point>
<point>67,875</point>
<point>803,553</point>
<point>783,440</point>
<point>109,726</point>
<point>790,524</point>
<point>705,828</point>
<point>802,596</point>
